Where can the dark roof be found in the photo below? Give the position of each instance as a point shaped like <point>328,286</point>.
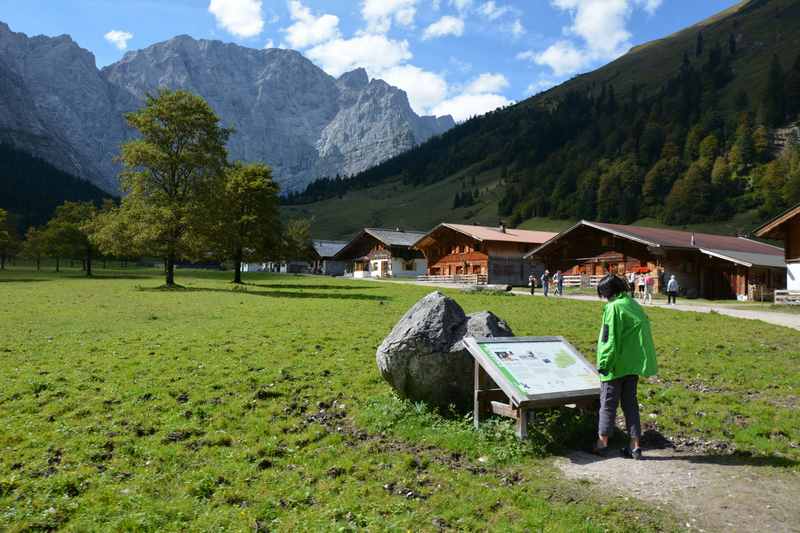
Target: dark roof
<point>395,237</point>
<point>670,238</point>
<point>390,238</point>
<point>774,229</point>
<point>327,249</point>
<point>747,259</point>
<point>685,240</point>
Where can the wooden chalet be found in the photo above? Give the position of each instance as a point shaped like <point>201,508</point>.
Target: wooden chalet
<point>705,265</point>
<point>324,262</point>
<point>383,253</point>
<point>786,228</point>
<point>479,254</point>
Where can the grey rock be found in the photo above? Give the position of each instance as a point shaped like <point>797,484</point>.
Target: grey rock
<point>286,111</point>
<point>424,358</point>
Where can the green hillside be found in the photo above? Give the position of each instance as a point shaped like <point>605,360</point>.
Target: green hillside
<point>679,131</point>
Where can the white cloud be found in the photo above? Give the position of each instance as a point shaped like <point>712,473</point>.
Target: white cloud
<point>269,44</point>
<point>516,28</point>
<point>651,6</point>
<point>119,38</point>
<point>379,14</point>
<point>446,25</point>
<point>375,53</point>
<point>308,29</point>
<point>563,58</point>
<point>424,89</point>
<point>242,18</point>
<point>465,106</point>
<point>487,83</point>
<point>492,11</point>
<point>540,85</point>
<point>600,28</point>
<point>461,5</point>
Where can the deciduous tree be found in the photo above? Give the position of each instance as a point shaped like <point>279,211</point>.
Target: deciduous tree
<point>170,172</point>
<point>246,224</point>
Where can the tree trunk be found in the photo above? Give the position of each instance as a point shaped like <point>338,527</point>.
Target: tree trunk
<point>105,263</point>
<point>2,261</point>
<point>88,262</point>
<point>170,269</point>
<point>38,264</point>
<point>237,267</point>
<point>58,265</point>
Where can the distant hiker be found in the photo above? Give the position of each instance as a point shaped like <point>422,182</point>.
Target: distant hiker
<point>649,284</point>
<point>672,290</point>
<point>640,285</point>
<point>532,283</point>
<point>559,283</point>
<point>546,282</point>
<point>631,277</point>
<point>625,351</point>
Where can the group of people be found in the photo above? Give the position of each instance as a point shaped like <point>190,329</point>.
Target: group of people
<point>546,280</point>
<point>641,286</point>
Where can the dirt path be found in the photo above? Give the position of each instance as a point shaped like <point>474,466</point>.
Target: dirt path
<point>711,493</point>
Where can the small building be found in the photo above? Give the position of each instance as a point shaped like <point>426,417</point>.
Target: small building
<point>480,254</point>
<point>705,265</point>
<point>383,253</point>
<point>786,228</point>
<point>324,262</point>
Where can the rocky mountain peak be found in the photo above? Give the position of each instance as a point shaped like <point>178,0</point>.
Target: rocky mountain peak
<point>285,110</point>
<point>355,79</point>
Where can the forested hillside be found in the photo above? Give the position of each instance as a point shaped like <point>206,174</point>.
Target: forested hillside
<point>31,189</point>
<point>689,129</point>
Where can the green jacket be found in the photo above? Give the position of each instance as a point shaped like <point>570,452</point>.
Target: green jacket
<point>625,346</point>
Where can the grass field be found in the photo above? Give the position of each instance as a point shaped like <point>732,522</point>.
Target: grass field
<point>126,407</point>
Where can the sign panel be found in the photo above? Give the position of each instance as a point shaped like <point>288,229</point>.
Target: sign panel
<point>536,368</point>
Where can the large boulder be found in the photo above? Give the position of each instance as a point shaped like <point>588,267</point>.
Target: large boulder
<point>424,357</point>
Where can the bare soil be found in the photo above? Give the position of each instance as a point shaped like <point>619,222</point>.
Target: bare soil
<point>711,492</point>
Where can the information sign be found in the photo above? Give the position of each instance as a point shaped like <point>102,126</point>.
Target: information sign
<point>531,372</point>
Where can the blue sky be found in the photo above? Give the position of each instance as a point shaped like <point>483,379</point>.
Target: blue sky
<point>462,57</point>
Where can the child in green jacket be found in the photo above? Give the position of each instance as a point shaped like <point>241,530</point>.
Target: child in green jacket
<point>625,351</point>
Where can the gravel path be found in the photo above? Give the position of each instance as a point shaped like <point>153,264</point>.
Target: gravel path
<point>711,493</point>
<point>788,320</point>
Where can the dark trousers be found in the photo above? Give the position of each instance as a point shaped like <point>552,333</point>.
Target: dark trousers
<point>672,297</point>
<point>611,393</point>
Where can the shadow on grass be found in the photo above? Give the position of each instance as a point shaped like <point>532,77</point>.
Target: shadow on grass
<point>270,294</point>
<point>309,286</point>
<point>23,280</point>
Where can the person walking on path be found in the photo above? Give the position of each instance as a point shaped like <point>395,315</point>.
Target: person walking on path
<point>640,285</point>
<point>631,277</point>
<point>546,282</point>
<point>649,283</point>
<point>532,283</point>
<point>559,283</point>
<point>625,352</point>
<point>672,290</point>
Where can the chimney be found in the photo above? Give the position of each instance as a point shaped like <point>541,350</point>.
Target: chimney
<point>502,227</point>
<point>693,241</point>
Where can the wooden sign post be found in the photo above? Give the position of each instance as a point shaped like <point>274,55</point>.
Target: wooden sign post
<point>515,375</point>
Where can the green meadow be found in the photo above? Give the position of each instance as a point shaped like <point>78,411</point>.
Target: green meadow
<point>128,407</point>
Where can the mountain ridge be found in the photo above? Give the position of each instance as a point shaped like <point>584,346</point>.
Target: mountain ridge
<point>287,112</point>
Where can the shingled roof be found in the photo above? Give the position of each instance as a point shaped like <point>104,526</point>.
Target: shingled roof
<point>395,237</point>
<point>740,250</point>
<point>326,249</point>
<point>494,234</point>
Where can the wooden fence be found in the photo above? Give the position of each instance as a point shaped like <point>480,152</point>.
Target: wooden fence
<point>787,297</point>
<point>582,281</point>
<point>465,279</point>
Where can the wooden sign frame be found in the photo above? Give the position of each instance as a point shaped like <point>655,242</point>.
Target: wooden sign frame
<point>494,393</point>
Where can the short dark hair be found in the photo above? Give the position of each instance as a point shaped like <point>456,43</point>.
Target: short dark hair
<point>611,286</point>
